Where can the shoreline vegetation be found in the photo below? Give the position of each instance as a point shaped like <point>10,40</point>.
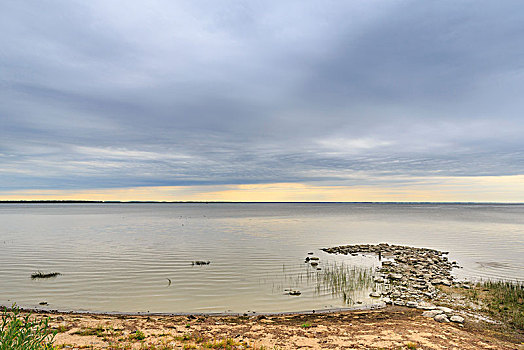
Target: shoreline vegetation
<point>426,309</point>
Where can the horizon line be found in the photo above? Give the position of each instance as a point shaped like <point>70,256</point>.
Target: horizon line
<point>234,202</point>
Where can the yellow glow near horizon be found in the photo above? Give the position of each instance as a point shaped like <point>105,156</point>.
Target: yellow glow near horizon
<point>435,189</point>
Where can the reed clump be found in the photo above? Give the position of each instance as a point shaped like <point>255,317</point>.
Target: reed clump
<point>344,280</point>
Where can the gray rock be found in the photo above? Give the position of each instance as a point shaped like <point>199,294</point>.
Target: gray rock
<point>457,319</point>
<point>395,276</point>
<point>374,295</point>
<point>426,306</point>
<point>411,304</point>
<point>432,313</point>
<point>442,318</point>
<point>444,309</point>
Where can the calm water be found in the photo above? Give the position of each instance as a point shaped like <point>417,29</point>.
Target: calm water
<point>119,257</point>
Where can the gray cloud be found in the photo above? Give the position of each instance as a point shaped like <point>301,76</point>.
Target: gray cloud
<point>117,94</point>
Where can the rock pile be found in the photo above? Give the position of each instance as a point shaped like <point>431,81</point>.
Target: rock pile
<point>408,275</point>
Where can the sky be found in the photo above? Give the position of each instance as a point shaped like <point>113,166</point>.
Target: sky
<point>262,100</point>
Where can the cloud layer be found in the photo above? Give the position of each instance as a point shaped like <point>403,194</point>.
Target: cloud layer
<point>107,94</point>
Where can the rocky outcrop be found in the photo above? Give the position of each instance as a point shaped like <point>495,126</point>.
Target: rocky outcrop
<point>408,276</point>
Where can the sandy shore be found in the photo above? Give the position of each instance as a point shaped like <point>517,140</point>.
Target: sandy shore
<point>389,328</point>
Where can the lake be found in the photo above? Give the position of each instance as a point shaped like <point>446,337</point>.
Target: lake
<point>137,257</point>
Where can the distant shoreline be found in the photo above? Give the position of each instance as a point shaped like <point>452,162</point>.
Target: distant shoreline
<point>232,202</point>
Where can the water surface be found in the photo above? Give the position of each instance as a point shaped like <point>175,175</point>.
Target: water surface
<point>119,257</point>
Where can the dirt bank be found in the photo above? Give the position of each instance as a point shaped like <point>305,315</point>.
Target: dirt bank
<point>390,328</point>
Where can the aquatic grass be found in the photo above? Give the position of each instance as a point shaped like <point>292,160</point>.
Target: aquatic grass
<point>19,332</point>
<point>339,280</point>
<point>344,280</point>
<point>40,274</point>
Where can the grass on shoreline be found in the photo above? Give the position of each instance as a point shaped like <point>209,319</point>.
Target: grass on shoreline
<point>19,332</point>
<point>503,300</point>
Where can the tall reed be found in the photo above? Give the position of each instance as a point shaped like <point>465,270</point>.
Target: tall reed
<point>344,280</point>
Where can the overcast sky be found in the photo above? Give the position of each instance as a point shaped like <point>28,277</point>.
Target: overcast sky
<point>101,95</point>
